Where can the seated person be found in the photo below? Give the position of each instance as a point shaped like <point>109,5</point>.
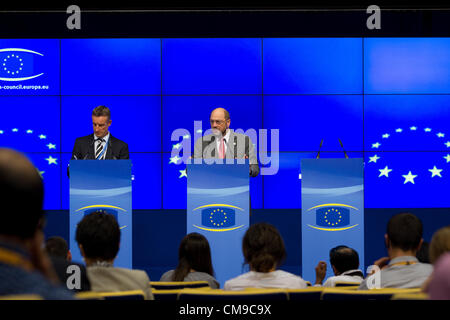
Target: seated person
<point>401,269</point>
<point>98,237</point>
<point>194,262</point>
<point>61,258</point>
<point>25,267</point>
<point>345,263</point>
<point>439,284</point>
<point>439,245</point>
<point>264,251</point>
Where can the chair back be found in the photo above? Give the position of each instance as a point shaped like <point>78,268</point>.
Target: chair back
<point>166,295</point>
<point>338,294</point>
<point>88,295</point>
<point>346,284</point>
<point>174,285</point>
<point>410,296</point>
<point>250,294</point>
<point>123,295</point>
<point>308,294</point>
<point>21,297</point>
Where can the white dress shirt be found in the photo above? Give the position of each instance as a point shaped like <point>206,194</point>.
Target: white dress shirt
<point>227,138</point>
<point>344,277</point>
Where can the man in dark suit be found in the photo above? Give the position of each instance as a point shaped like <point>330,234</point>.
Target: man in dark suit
<point>101,145</point>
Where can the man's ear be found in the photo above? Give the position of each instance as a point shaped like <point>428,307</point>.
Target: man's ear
<point>386,241</point>
<point>69,256</point>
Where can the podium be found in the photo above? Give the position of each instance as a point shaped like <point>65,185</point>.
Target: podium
<point>102,186</point>
<point>218,208</point>
<point>332,210</point>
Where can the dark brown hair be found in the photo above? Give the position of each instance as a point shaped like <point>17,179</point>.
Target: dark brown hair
<point>102,111</point>
<point>194,253</point>
<point>440,243</point>
<point>263,247</point>
<point>99,234</point>
<point>404,231</point>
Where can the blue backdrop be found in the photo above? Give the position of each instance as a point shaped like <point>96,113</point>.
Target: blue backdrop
<point>385,98</point>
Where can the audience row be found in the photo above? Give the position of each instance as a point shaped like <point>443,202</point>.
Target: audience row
<point>27,269</point>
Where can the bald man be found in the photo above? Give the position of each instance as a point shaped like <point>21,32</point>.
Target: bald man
<point>225,143</point>
<point>24,266</point>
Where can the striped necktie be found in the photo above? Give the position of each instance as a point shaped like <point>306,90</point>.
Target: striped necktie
<point>99,148</point>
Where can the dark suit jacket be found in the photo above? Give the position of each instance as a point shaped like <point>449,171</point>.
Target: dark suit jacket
<point>84,148</point>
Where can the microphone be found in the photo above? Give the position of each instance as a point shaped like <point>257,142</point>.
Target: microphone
<point>320,146</point>
<point>342,146</point>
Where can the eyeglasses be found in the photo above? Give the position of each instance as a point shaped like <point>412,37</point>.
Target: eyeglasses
<point>219,122</point>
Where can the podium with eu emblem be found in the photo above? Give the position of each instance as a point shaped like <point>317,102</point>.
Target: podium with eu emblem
<point>332,210</point>
<point>103,186</point>
<point>218,208</point>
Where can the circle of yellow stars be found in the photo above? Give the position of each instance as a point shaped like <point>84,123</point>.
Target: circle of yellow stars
<point>332,210</point>
<point>212,215</point>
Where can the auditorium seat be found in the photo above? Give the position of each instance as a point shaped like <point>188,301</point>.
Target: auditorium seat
<point>116,295</point>
<point>172,285</point>
<point>21,297</point>
<point>166,295</point>
<point>308,294</point>
<point>375,294</point>
<point>346,284</point>
<point>249,294</point>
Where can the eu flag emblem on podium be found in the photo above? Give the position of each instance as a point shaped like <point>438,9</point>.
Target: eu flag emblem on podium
<point>332,217</point>
<point>217,217</point>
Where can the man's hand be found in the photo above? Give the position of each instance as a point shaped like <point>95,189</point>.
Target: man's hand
<point>321,271</point>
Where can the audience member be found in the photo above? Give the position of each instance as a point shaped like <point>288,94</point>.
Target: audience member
<point>439,284</point>
<point>72,274</point>
<point>345,264</point>
<point>440,243</point>
<point>194,261</point>
<point>98,237</point>
<point>58,247</point>
<point>24,266</point>
<point>401,269</point>
<point>264,251</point>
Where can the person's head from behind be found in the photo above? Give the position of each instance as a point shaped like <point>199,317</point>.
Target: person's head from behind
<point>58,247</point>
<point>343,258</point>
<point>21,197</point>
<point>101,120</point>
<point>98,236</point>
<point>263,248</point>
<point>404,234</point>
<point>440,243</point>
<point>194,254</point>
